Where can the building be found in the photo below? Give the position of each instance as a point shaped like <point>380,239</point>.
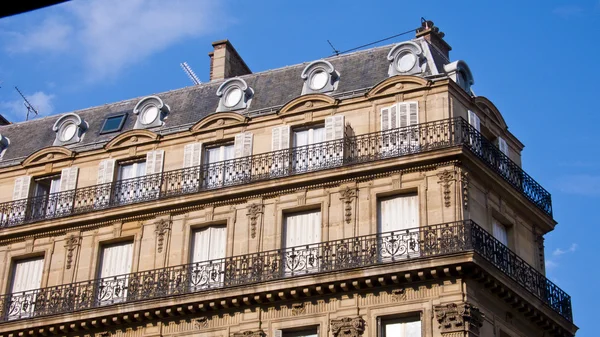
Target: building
<point>366,194</point>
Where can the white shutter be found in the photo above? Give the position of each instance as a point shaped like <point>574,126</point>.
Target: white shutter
<point>21,189</point>
<point>280,138</point>
<point>209,244</point>
<point>106,171</point>
<point>116,259</point>
<point>192,155</point>
<point>302,228</point>
<point>402,115</point>
<point>503,146</point>
<point>243,145</point>
<point>385,119</point>
<point>474,120</point>
<point>499,232</point>
<point>27,275</point>
<point>154,161</point>
<point>413,113</point>
<point>334,127</point>
<point>68,178</point>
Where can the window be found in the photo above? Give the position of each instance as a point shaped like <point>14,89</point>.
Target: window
<point>47,201</point>
<point>234,94</point>
<point>139,179</point>
<point>399,327</point>
<point>298,332</point>
<point>399,124</point>
<point>319,77</point>
<point>301,231</point>
<point>406,58</point>
<point>218,172</point>
<point>306,155</point>
<point>113,123</point>
<point>151,112</point>
<point>4,143</point>
<point>26,276</point>
<point>500,232</point>
<point>69,129</point>
<point>43,204</point>
<point>208,245</point>
<point>474,135</point>
<point>115,264</point>
<point>398,222</point>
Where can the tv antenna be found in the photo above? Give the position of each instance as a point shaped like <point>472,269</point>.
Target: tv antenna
<point>191,74</point>
<point>335,51</point>
<point>28,105</point>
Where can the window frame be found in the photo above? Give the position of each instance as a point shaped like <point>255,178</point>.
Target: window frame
<point>222,145</point>
<point>382,321</point>
<point>123,116</point>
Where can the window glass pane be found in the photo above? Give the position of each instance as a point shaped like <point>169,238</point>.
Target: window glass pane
<point>318,135</point>
<point>402,328</point>
<point>213,155</point>
<point>302,333</point>
<point>141,169</point>
<point>126,171</point>
<point>228,152</point>
<point>300,138</point>
<point>113,123</point>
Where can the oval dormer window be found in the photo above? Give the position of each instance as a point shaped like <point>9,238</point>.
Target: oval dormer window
<point>319,77</point>
<point>235,94</point>
<point>151,112</point>
<point>318,80</point>
<point>406,62</point>
<point>69,129</point>
<point>406,58</point>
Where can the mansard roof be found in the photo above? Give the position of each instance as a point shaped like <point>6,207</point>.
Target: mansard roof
<point>359,71</point>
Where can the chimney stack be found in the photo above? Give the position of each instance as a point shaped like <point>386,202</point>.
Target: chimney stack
<point>432,34</point>
<point>225,62</point>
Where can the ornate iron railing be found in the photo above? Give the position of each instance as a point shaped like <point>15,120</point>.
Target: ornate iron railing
<point>344,152</point>
<point>356,252</point>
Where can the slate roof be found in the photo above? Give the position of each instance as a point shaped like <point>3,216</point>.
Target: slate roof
<point>358,71</point>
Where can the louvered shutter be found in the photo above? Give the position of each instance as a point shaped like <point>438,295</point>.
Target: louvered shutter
<point>474,120</point>
<point>385,119</point>
<point>21,189</point>
<point>503,146</point>
<point>413,113</point>
<point>334,127</point>
<point>402,115</point>
<point>154,161</point>
<point>192,155</point>
<point>68,178</point>
<point>106,171</point>
<point>243,145</point>
<point>280,139</point>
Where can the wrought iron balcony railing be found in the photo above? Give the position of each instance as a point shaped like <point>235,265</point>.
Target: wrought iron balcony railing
<point>344,152</point>
<point>356,252</point>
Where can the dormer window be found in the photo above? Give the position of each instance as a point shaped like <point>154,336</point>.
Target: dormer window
<point>235,94</point>
<point>4,142</point>
<point>69,129</point>
<point>319,77</point>
<point>151,112</point>
<point>406,59</point>
<point>460,73</point>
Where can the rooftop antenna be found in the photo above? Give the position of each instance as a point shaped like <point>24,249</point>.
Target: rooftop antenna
<point>337,52</point>
<point>28,105</point>
<point>191,74</point>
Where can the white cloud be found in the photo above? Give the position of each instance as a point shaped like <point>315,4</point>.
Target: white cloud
<point>559,252</point>
<point>109,35</point>
<point>15,110</point>
<point>580,184</point>
<point>551,264</point>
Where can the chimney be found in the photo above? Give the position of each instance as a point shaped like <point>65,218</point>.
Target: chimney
<point>225,62</point>
<point>432,34</point>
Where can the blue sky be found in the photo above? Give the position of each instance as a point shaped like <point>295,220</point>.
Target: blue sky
<point>533,59</point>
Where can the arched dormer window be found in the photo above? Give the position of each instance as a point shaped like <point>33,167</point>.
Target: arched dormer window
<point>234,94</point>
<point>69,129</point>
<point>460,73</point>
<point>151,112</point>
<point>319,77</point>
<point>406,58</point>
<point>4,143</point>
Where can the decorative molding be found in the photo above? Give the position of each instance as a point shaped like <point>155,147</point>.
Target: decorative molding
<point>298,309</point>
<point>347,196</point>
<point>458,318</point>
<point>348,327</point>
<point>49,154</point>
<point>390,85</point>
<point>302,199</point>
<point>254,210</point>
<point>464,179</point>
<point>209,213</point>
<point>201,323</point>
<point>308,102</point>
<point>162,226</point>
<point>539,240</point>
<point>256,333</point>
<point>219,120</point>
<point>396,184</point>
<point>398,295</point>
<point>29,246</point>
<point>446,177</point>
<point>71,243</point>
<point>129,138</point>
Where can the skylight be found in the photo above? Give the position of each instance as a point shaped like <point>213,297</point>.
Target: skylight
<point>113,123</point>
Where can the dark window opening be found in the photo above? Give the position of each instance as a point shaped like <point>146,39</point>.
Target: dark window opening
<point>113,123</point>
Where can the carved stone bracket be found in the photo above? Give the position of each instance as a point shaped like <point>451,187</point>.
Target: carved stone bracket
<point>254,210</point>
<point>162,227</point>
<point>347,196</point>
<point>458,318</point>
<point>201,323</point>
<point>256,333</point>
<point>71,243</point>
<point>399,294</point>
<point>446,178</point>
<point>539,240</point>
<point>464,177</point>
<point>348,327</point>
<point>298,309</point>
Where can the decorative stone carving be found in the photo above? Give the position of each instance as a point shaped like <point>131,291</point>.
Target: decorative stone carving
<point>257,333</point>
<point>348,327</point>
<point>457,318</point>
<point>254,210</point>
<point>399,294</point>
<point>201,323</point>
<point>347,196</point>
<point>71,243</point>
<point>297,309</point>
<point>464,177</point>
<point>446,178</point>
<point>539,240</point>
<point>162,226</point>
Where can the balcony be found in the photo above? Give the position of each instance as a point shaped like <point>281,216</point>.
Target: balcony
<point>261,167</point>
<point>332,256</point>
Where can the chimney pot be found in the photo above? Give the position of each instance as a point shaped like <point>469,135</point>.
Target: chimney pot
<point>430,32</point>
<point>225,62</point>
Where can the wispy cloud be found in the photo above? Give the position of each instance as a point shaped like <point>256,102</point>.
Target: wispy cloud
<point>16,110</point>
<point>559,251</point>
<point>580,184</point>
<point>551,264</point>
<point>568,11</point>
<point>107,36</point>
